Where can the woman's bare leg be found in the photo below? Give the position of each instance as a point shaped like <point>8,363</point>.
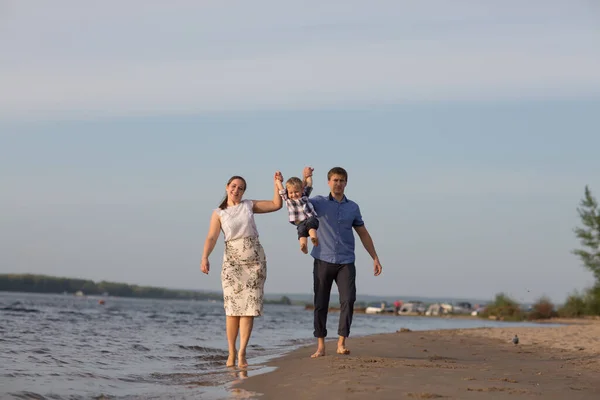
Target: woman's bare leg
<point>232,325</point>
<point>246,324</point>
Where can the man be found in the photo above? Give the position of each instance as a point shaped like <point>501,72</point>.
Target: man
<point>334,256</point>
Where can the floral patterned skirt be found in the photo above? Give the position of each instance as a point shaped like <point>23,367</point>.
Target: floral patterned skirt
<point>243,277</point>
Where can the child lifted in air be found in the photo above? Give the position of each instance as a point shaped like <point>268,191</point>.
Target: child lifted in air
<point>300,212</point>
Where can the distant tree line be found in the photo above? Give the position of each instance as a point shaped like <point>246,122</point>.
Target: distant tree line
<point>50,284</point>
<point>586,303</point>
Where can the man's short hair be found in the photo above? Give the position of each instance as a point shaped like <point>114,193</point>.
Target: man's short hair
<point>337,171</point>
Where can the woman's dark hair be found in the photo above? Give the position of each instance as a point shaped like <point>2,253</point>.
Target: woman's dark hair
<point>223,204</point>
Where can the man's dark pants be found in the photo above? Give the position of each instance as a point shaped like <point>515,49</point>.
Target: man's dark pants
<point>344,275</point>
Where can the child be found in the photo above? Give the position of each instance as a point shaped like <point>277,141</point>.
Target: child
<point>300,212</point>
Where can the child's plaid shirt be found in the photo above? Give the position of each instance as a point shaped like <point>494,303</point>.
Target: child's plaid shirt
<point>300,209</point>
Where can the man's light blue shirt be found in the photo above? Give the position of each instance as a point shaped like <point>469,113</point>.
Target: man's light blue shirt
<point>336,235</point>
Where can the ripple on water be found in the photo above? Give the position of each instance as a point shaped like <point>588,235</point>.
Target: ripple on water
<point>90,375</point>
<point>182,313</point>
<point>28,395</point>
<point>190,379</point>
<point>71,312</point>
<point>58,360</point>
<point>200,348</point>
<point>43,350</point>
<point>213,357</point>
<point>139,347</point>
<point>12,309</point>
<point>18,374</point>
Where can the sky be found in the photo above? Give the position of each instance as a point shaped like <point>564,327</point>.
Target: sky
<point>469,130</point>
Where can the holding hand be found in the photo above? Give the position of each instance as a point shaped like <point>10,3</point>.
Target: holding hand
<point>278,176</point>
<point>308,171</point>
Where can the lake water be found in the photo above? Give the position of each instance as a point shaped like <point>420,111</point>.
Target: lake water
<point>67,347</point>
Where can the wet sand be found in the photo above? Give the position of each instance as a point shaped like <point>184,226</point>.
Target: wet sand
<point>548,363</point>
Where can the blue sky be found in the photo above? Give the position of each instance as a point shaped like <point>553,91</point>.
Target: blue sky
<point>469,131</point>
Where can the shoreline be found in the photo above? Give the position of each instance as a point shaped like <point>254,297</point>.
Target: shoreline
<point>549,362</point>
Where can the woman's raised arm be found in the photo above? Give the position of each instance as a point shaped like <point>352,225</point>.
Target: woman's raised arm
<point>267,206</point>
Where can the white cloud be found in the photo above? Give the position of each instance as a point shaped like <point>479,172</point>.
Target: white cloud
<point>165,62</point>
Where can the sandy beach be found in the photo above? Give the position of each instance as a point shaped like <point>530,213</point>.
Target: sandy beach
<point>548,363</point>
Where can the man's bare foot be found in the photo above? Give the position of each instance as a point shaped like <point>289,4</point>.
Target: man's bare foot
<point>318,353</point>
<point>231,360</point>
<point>304,248</point>
<point>342,350</point>
<point>242,363</point>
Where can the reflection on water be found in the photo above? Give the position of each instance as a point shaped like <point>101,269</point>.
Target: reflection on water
<point>67,347</point>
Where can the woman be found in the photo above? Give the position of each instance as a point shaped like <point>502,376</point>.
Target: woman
<point>244,264</point>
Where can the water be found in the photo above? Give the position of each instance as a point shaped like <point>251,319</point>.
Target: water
<point>67,347</point>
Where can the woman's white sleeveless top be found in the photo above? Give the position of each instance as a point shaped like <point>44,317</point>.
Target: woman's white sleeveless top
<point>238,221</point>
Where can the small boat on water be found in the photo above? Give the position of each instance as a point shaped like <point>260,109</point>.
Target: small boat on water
<point>379,308</point>
<point>375,309</point>
<point>413,308</point>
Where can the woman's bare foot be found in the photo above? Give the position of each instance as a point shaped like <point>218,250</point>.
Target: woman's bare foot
<point>242,362</point>
<point>231,360</point>
<point>343,350</point>
<point>318,353</point>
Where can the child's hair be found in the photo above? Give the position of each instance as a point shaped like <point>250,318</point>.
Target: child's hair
<point>294,181</point>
